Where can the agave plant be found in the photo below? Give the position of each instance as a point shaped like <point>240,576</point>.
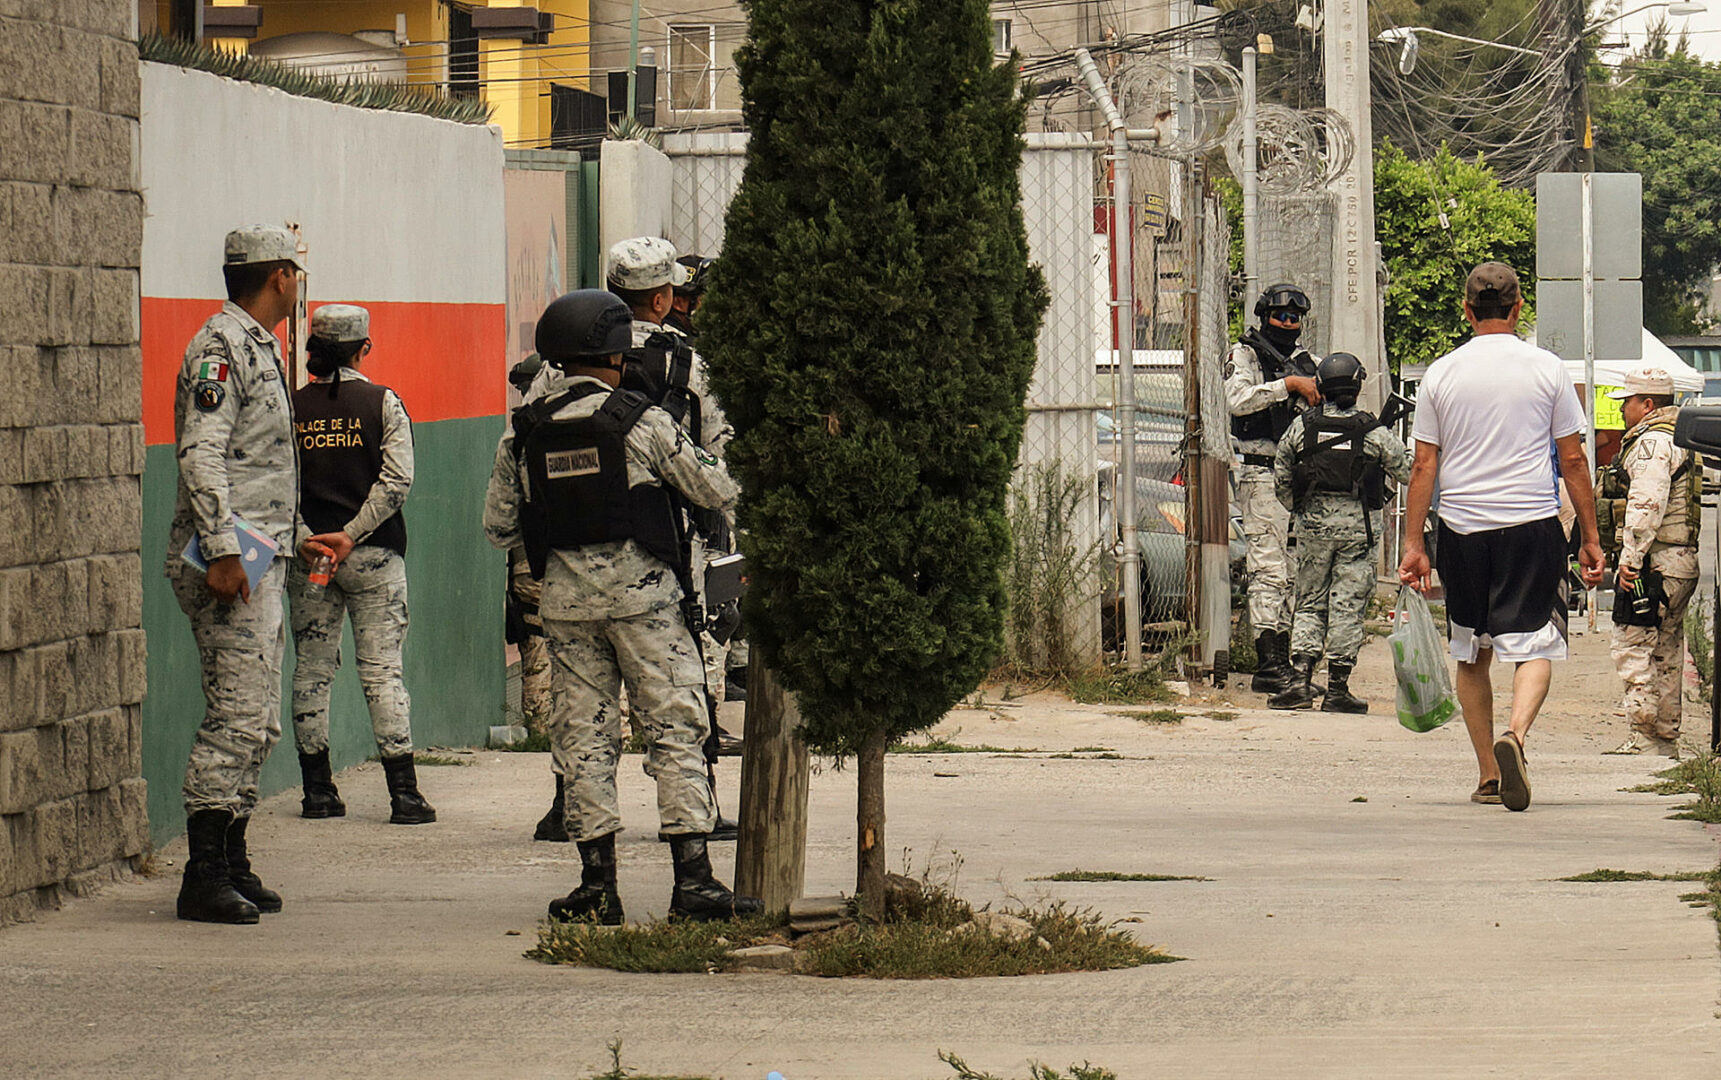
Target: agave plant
<point>391,97</point>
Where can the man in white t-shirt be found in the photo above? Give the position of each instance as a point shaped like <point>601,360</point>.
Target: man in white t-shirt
<point>1485,416</point>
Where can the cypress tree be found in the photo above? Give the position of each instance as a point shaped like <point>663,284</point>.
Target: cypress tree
<point>870,329</point>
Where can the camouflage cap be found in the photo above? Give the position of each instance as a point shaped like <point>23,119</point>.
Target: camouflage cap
<point>1651,379</point>
<point>261,244</point>
<point>645,262</point>
<point>340,322</point>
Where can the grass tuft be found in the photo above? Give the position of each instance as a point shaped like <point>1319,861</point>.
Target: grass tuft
<point>1637,875</point>
<point>1152,716</point>
<point>617,1072</point>
<point>535,742</point>
<point>1699,775</point>
<point>938,744</point>
<point>1114,875</point>
<point>1036,1071</point>
<point>1220,715</point>
<point>929,935</point>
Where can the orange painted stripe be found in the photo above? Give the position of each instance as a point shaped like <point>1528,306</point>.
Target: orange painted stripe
<point>446,361</point>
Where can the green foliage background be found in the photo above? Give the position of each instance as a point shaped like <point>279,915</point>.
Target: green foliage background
<point>870,330</point>
<point>1659,116</point>
<point>1427,261</point>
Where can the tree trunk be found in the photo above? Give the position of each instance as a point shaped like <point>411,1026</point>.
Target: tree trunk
<point>869,820</point>
<point>771,858</point>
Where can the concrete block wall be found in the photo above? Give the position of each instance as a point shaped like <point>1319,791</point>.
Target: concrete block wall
<point>72,656</point>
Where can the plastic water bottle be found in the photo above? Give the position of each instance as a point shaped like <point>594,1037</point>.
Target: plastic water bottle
<point>317,581</point>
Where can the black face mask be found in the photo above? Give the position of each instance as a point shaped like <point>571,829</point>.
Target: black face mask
<point>1281,338</point>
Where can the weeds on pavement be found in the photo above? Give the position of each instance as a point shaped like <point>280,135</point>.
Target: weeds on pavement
<point>535,742</point>
<point>1114,875</point>
<point>617,1072</point>
<point>1036,1071</point>
<point>928,933</point>
<point>1638,875</point>
<point>1152,716</point>
<point>1697,622</point>
<point>938,744</point>
<point>1049,573</point>
<point>1698,775</point>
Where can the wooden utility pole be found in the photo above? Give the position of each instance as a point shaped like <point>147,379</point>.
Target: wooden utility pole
<point>771,857</point>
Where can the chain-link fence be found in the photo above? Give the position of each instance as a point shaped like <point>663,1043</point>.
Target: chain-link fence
<point>1296,245</point>
<point>1073,417</point>
<point>705,170</point>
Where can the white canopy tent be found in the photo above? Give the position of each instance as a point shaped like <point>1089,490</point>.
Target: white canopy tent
<point>1612,372</point>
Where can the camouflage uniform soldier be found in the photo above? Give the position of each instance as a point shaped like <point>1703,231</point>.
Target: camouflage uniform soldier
<point>355,450</point>
<point>233,424</point>
<point>589,480</point>
<point>525,629</point>
<point>1264,376</point>
<point>1331,469</point>
<point>1649,514</point>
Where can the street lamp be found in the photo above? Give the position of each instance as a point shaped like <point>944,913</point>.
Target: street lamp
<point>1406,36</point>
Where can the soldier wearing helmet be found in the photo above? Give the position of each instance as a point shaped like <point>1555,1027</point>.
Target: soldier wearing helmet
<point>689,294</point>
<point>590,479</point>
<point>1268,378</point>
<point>1330,470</point>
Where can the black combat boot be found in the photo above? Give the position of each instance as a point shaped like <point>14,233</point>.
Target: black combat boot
<point>1271,674</point>
<point>597,893</point>
<point>698,895</point>
<point>322,799</point>
<point>407,805</point>
<point>553,826</point>
<point>206,894</point>
<point>1339,697</point>
<point>1299,694</point>
<point>245,883</point>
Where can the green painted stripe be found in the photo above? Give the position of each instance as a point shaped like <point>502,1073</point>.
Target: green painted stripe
<point>454,659</point>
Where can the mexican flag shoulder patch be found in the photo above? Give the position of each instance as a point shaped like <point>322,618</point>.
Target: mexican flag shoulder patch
<point>212,371</point>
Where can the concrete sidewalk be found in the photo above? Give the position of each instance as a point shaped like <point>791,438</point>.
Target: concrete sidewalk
<point>1414,934</point>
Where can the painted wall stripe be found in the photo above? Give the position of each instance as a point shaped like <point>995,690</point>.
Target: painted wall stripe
<point>446,361</point>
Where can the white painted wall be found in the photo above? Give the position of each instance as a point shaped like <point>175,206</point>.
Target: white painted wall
<point>394,206</point>
<point>634,192</point>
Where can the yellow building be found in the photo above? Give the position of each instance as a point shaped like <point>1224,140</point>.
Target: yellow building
<point>510,52</point>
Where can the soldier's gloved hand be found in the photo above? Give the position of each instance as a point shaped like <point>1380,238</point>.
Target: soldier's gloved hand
<point>338,545</point>
<point>226,579</point>
<point>1302,384</point>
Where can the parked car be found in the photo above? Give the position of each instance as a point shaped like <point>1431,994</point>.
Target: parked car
<point>1160,509</point>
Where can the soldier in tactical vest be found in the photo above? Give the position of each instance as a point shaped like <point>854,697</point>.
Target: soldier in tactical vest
<point>355,454</point>
<point>1268,378</point>
<point>1649,515</point>
<point>1331,471</point>
<point>591,479</point>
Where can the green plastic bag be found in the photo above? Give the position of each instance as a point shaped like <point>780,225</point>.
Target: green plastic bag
<point>1425,697</point>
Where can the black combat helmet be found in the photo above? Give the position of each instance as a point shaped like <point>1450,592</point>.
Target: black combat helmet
<point>586,324</point>
<point>1282,297</point>
<point>698,275</point>
<point>1340,375</point>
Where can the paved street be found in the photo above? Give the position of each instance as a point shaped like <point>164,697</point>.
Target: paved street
<point>1415,934</point>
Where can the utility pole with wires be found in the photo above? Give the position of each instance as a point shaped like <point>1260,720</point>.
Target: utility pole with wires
<point>1356,323</point>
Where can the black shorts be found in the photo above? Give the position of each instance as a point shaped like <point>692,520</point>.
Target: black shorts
<point>1506,590</point>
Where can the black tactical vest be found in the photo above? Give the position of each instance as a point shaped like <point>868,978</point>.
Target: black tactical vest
<point>577,491</point>
<point>338,426</point>
<point>1270,423</point>
<point>1333,460</point>
<point>661,369</point>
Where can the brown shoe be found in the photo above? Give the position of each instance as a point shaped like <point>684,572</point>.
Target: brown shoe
<point>1514,774</point>
<point>1487,792</point>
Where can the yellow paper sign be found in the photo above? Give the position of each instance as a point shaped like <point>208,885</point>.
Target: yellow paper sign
<point>1608,416</point>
